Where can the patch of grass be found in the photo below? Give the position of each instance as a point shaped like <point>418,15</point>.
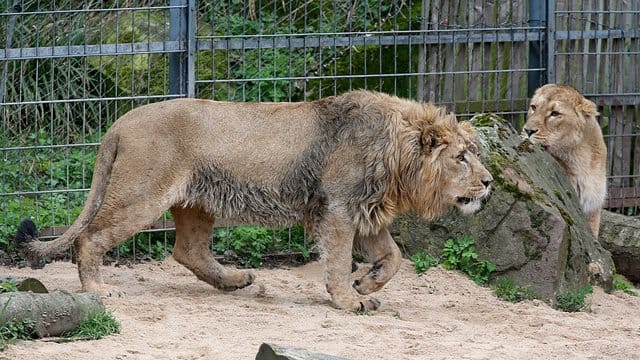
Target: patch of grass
<point>423,261</point>
<point>621,284</point>
<point>460,254</point>
<point>507,289</point>
<point>95,326</point>
<point>572,301</point>
<point>8,286</point>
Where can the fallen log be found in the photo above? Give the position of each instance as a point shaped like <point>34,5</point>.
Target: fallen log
<point>52,314</point>
<point>276,352</point>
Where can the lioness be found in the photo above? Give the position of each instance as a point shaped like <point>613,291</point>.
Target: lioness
<point>564,122</point>
<point>344,165</point>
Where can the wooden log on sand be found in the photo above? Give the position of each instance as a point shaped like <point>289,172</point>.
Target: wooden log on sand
<point>52,314</point>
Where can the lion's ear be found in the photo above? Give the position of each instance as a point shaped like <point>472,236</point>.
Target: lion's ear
<point>432,138</point>
<point>588,108</point>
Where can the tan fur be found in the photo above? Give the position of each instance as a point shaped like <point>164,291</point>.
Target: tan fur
<point>344,165</point>
<point>564,122</point>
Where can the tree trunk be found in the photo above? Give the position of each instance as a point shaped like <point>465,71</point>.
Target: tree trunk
<point>53,314</point>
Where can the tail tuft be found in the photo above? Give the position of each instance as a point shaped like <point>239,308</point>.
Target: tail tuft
<point>27,232</point>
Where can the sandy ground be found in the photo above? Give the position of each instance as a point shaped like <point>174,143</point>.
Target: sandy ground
<point>168,314</point>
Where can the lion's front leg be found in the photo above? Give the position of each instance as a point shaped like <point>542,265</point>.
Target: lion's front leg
<point>336,233</point>
<point>385,255</point>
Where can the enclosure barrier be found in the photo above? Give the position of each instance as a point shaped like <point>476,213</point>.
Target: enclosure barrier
<point>67,72</point>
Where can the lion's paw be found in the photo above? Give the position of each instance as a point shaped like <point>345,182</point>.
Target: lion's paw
<point>358,304</point>
<point>106,291</point>
<point>236,280</point>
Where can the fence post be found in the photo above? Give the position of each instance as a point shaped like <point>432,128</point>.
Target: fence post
<point>551,41</point>
<point>182,64</point>
<point>8,44</point>
<point>538,49</point>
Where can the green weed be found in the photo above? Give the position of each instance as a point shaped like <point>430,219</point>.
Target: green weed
<point>423,261</point>
<point>572,301</point>
<point>621,284</point>
<point>8,286</point>
<point>16,330</point>
<point>506,289</point>
<point>250,244</point>
<point>460,254</point>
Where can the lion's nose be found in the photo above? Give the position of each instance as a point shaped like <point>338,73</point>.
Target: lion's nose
<point>486,182</point>
<point>530,132</point>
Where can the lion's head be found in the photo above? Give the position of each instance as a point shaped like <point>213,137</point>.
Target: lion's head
<point>452,166</point>
<point>557,118</point>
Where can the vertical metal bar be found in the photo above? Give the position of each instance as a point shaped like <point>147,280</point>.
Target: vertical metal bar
<point>178,60</point>
<point>538,15</point>
<point>551,41</point>
<point>421,91</point>
<point>191,49</point>
<point>9,43</point>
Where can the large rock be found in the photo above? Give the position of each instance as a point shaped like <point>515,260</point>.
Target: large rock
<point>621,236</point>
<point>532,227</point>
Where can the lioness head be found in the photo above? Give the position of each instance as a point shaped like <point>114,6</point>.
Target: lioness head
<point>557,117</point>
<point>452,161</point>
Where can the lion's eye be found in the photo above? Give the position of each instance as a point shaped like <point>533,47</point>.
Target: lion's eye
<point>555,113</point>
<point>533,107</point>
<point>461,158</point>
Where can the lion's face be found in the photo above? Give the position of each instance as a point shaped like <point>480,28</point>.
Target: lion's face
<point>463,179</point>
<point>557,117</point>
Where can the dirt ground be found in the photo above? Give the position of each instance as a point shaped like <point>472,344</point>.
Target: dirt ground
<point>168,314</point>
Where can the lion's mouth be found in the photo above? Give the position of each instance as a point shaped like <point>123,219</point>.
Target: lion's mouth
<point>471,204</point>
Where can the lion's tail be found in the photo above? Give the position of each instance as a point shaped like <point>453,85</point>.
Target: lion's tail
<point>26,240</point>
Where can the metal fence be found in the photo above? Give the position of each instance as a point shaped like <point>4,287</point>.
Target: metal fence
<point>69,68</point>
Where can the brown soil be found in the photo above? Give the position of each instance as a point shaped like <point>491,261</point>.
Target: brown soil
<point>168,314</point>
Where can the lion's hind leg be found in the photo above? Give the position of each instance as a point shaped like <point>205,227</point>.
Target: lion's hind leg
<point>111,226</point>
<point>385,256</point>
<point>193,227</point>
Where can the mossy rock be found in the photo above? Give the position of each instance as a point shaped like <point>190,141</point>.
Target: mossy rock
<point>532,227</point>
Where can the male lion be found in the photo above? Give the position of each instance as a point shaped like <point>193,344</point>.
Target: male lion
<point>564,122</point>
<point>343,165</point>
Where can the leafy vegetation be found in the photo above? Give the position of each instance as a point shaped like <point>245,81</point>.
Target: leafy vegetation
<point>8,286</point>
<point>621,284</point>
<point>250,244</point>
<point>16,330</point>
<point>423,261</point>
<point>507,289</point>
<point>572,301</point>
<point>460,254</point>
